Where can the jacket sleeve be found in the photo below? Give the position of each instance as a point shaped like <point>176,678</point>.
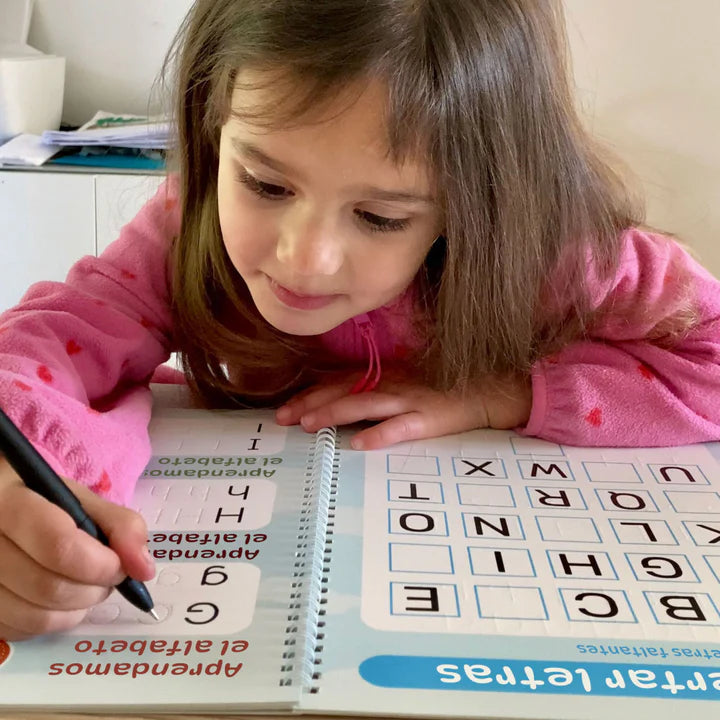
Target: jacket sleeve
<point>630,383</point>
<point>76,357</point>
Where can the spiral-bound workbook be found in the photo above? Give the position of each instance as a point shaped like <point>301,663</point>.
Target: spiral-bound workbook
<point>482,575</point>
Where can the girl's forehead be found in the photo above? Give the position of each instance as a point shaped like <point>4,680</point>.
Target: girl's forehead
<point>281,100</point>
<point>357,114</point>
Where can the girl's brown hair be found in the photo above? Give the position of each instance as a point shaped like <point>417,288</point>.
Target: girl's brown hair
<point>480,88</point>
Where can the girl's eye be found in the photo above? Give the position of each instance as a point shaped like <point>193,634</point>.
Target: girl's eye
<point>265,190</point>
<point>270,191</point>
<point>378,223</point>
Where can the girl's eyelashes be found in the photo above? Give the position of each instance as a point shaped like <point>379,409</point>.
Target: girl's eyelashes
<point>271,191</point>
<point>378,223</point>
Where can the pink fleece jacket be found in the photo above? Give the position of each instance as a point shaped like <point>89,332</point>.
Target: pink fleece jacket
<point>76,357</point>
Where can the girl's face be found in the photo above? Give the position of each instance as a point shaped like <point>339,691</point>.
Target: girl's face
<point>318,221</point>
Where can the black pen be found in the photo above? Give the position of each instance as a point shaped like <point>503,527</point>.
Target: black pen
<point>40,477</point>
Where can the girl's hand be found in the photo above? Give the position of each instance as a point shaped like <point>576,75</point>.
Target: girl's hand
<point>408,410</point>
<point>51,572</point>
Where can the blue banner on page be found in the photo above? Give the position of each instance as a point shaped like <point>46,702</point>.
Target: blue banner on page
<point>542,677</point>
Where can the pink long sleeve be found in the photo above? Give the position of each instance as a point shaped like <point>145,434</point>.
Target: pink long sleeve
<point>76,357</point>
<point>619,388</point>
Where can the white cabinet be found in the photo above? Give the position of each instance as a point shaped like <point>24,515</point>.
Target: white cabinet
<point>48,220</point>
<point>117,200</point>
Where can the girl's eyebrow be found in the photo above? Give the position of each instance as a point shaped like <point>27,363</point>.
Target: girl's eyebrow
<point>375,193</point>
<point>253,152</point>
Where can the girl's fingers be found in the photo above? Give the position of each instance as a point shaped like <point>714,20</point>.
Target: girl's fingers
<point>125,529</point>
<point>23,577</point>
<point>8,633</point>
<point>424,420</point>
<point>311,399</point>
<point>354,408</point>
<point>21,618</point>
<point>409,412</point>
<point>53,541</point>
<point>397,429</point>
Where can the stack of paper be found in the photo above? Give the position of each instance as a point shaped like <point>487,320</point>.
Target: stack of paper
<point>26,150</point>
<point>125,131</point>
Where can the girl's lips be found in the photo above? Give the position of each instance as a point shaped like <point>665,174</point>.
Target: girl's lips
<point>298,301</point>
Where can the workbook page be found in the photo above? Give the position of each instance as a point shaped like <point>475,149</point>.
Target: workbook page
<point>221,497</point>
<point>494,575</point>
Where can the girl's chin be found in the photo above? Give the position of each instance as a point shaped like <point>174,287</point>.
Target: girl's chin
<point>296,324</point>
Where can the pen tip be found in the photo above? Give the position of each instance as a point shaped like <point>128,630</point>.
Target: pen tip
<point>154,615</point>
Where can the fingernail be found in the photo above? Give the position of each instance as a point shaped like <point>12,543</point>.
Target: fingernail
<point>148,558</point>
<point>307,421</point>
<point>357,443</point>
<point>283,414</point>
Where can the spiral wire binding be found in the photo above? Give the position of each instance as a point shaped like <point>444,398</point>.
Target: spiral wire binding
<point>306,609</point>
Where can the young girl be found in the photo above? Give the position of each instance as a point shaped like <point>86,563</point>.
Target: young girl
<point>383,210</point>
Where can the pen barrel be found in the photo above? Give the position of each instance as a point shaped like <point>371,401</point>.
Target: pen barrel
<point>136,593</point>
<point>92,529</point>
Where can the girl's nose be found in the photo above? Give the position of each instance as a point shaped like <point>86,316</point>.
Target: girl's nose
<point>309,246</point>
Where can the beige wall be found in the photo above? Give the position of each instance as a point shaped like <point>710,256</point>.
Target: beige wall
<point>114,50</point>
<point>648,77</point>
